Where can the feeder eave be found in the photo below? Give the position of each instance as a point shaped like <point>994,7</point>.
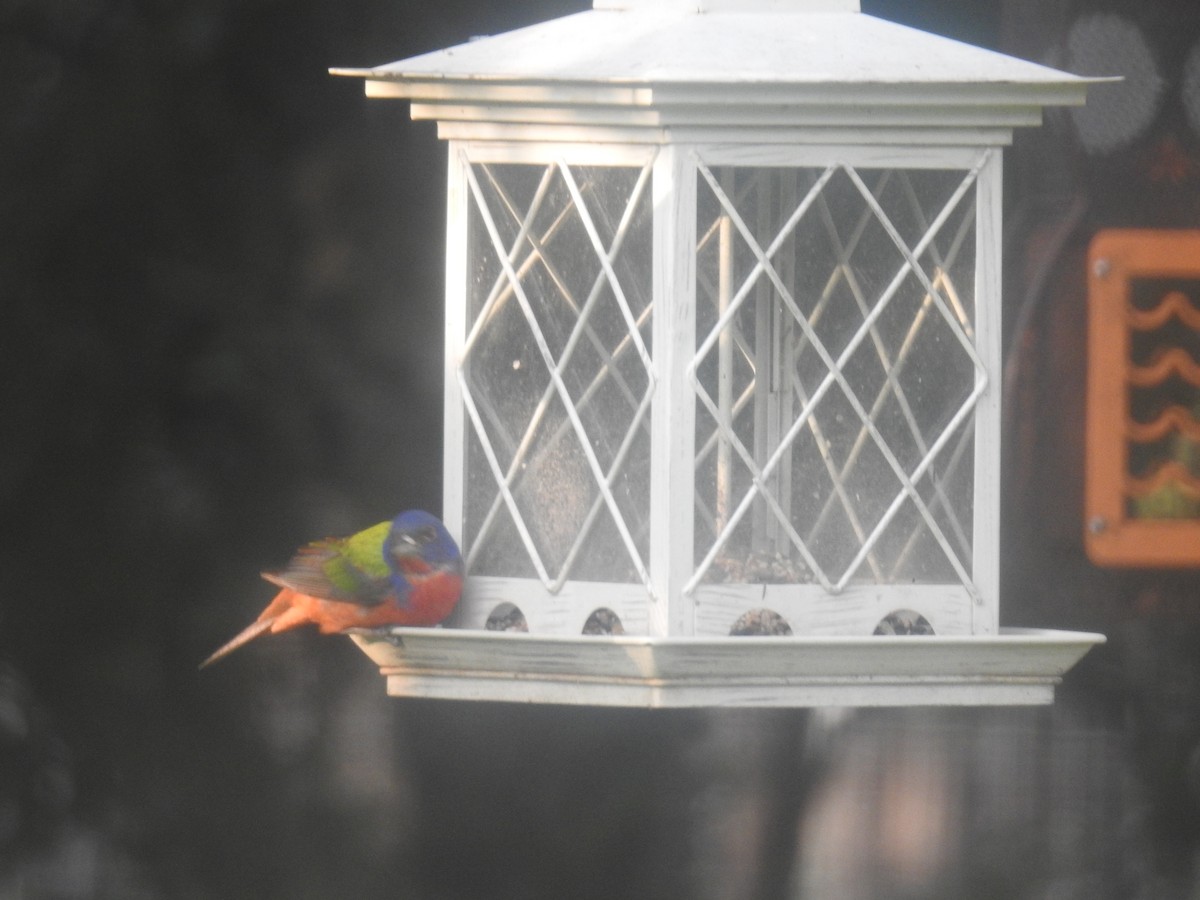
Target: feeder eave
<point>968,113</point>
<point>669,94</point>
<point>685,57</point>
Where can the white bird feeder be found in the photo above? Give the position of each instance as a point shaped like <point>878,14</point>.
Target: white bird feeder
<point>723,358</point>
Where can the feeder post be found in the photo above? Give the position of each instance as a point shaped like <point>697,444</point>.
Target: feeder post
<point>988,231</point>
<point>454,443</point>
<point>673,415</point>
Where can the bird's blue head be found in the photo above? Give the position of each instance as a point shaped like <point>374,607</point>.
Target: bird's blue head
<point>419,544</point>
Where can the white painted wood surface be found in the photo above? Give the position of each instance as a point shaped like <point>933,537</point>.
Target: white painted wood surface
<point>743,6</point>
<point>1015,667</point>
<point>985,566</point>
<point>713,609</point>
<point>642,46</point>
<point>454,424</point>
<point>673,416</point>
<point>781,135</point>
<point>648,68</point>
<point>563,613</point>
<point>811,611</point>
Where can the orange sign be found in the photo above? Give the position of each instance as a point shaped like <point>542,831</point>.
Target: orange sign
<point>1143,408</point>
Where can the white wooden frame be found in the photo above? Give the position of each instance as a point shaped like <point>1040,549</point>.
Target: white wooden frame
<point>666,610</point>
<point>566,611</point>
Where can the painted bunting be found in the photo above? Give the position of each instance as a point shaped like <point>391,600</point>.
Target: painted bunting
<point>404,572</point>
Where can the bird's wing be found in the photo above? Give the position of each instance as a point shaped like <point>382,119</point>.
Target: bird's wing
<point>350,570</point>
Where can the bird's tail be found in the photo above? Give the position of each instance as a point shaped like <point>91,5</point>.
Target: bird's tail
<point>247,634</point>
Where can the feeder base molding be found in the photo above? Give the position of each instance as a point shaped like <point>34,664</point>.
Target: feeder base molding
<point>1017,667</point>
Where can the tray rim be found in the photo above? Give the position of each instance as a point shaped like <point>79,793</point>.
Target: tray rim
<point>1017,666</point>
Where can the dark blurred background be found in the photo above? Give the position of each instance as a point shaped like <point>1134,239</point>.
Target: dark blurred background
<point>220,276</point>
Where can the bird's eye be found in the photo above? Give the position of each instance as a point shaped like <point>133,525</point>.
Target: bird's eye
<point>425,535</point>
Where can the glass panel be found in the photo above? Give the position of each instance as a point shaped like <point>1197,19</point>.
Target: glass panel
<point>835,374</point>
<point>556,372</point>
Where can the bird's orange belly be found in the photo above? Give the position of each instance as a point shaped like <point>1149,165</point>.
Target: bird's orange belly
<point>430,602</point>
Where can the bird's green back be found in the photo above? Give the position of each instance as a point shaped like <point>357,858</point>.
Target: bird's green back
<point>359,560</point>
<point>350,569</point>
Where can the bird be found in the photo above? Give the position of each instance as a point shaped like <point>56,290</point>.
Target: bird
<point>407,571</point>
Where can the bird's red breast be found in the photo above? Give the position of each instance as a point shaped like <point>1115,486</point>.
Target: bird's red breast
<point>430,601</point>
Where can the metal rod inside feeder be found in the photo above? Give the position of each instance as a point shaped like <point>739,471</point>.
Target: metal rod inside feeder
<point>724,369</point>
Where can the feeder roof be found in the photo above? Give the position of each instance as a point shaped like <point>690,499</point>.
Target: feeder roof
<point>653,47</point>
<point>706,63</point>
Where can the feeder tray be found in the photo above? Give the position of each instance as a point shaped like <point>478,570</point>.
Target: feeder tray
<point>1017,667</point>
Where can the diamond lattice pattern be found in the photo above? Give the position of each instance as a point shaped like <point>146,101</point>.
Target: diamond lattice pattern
<point>836,375</point>
<point>556,374</point>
